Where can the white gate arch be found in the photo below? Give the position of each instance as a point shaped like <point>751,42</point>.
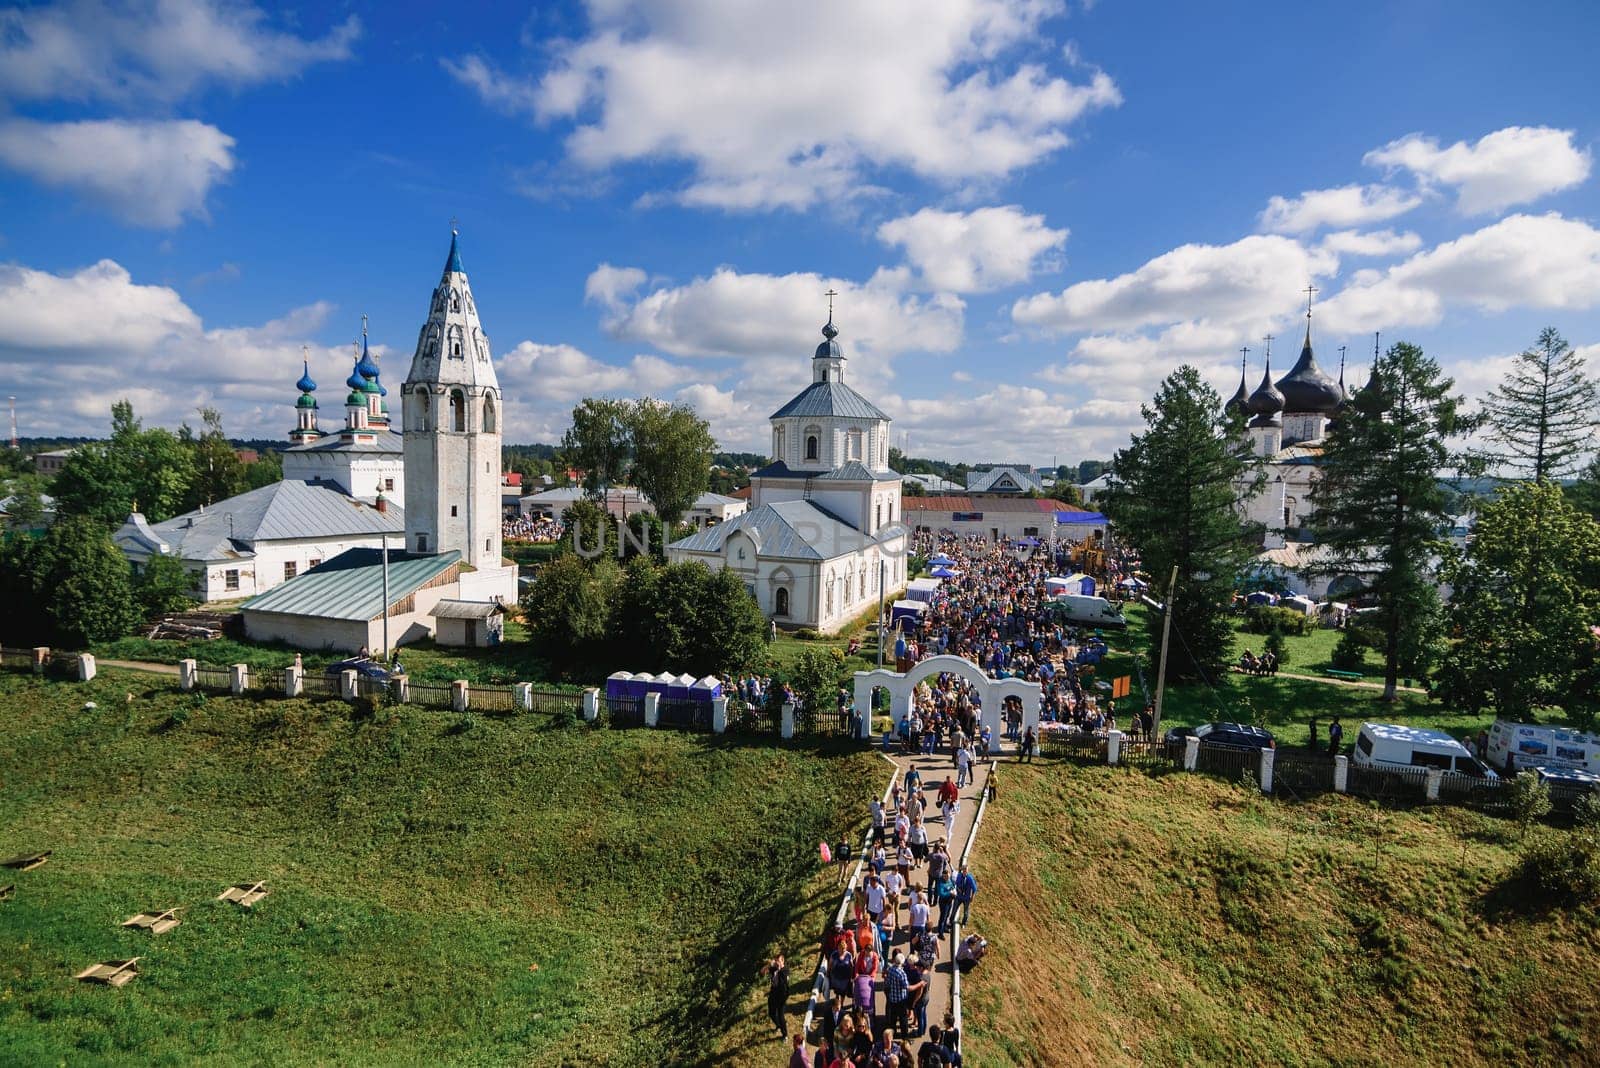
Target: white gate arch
<point>992,693</point>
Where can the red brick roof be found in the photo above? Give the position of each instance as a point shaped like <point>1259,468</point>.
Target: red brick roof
<point>985,504</point>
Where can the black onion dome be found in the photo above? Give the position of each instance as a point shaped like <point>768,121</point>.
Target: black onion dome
<point>1306,388</point>
<point>1266,400</point>
<point>1238,404</point>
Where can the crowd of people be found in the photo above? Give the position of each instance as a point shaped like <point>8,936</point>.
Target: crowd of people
<point>912,893</point>
<point>524,528</point>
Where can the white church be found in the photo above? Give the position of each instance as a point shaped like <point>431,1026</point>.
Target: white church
<point>824,535</point>
<point>445,560</point>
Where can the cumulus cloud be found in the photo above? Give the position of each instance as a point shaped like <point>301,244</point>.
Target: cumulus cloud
<point>157,50</point>
<point>146,172</point>
<point>784,105</point>
<point>1350,205</point>
<point>1254,278</point>
<point>1508,167</point>
<point>973,251</point>
<point>1534,261</point>
<point>1371,243</point>
<point>609,286</point>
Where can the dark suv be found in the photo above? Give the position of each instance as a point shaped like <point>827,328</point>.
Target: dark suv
<point>1238,735</point>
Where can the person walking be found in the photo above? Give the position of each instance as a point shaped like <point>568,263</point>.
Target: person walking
<point>966,890</point>
<point>841,857</point>
<point>798,1058</point>
<point>917,984</point>
<point>1028,742</point>
<point>778,993</point>
<point>963,766</point>
<point>877,821</point>
<point>944,891</point>
<point>867,966</point>
<point>896,992</point>
<point>1335,736</point>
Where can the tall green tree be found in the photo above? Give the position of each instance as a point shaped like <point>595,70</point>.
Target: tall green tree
<point>1542,416</point>
<point>599,443</point>
<point>1176,500</point>
<point>162,586</point>
<point>686,618</point>
<point>218,474</point>
<point>104,479</point>
<point>1584,493</point>
<point>672,450</point>
<point>568,609</point>
<point>1378,507</point>
<point>1524,595</point>
<point>81,584</point>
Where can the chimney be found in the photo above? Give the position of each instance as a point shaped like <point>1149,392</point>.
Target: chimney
<point>382,503</point>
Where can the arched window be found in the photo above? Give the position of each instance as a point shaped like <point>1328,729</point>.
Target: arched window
<point>830,595</point>
<point>458,410</point>
<point>455,300</point>
<point>811,446</point>
<point>421,421</point>
<point>488,415</point>
<point>777,443</point>
<point>780,602</point>
<point>853,445</point>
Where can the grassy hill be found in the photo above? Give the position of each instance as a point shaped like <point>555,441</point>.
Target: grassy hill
<point>1183,920</point>
<point>515,891</point>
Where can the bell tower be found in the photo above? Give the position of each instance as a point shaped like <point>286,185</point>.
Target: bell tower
<point>452,429</point>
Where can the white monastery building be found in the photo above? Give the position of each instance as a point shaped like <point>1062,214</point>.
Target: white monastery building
<point>824,535</point>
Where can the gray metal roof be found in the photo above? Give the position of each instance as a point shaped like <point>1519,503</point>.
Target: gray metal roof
<point>350,586</point>
<point>830,399</point>
<point>284,511</point>
<point>790,530</point>
<point>984,481</point>
<point>450,608</point>
<point>856,471</point>
<point>388,442</point>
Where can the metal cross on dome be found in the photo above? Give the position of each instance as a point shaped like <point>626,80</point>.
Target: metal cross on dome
<point>1311,291</point>
<point>830,294</point>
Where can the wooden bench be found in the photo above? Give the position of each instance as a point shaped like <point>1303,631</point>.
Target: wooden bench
<point>112,972</point>
<point>27,861</point>
<point>245,894</point>
<point>1354,676</point>
<point>154,922</point>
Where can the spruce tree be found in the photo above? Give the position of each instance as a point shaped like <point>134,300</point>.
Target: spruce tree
<point>1175,498</point>
<point>1542,416</point>
<point>1378,504</point>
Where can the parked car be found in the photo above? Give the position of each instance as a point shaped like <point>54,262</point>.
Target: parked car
<point>364,666</point>
<point>1087,611</point>
<point>1547,747</point>
<point>1397,745</point>
<point>1241,735</point>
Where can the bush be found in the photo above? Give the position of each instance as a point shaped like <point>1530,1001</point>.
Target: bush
<point>1266,618</point>
<point>1562,868</point>
<point>1529,798</point>
<point>1350,652</point>
<point>1278,647</point>
<point>806,634</point>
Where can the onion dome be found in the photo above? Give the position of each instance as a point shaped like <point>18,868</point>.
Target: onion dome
<point>355,381</point>
<point>1266,402</point>
<point>306,384</point>
<point>306,401</point>
<point>830,349</point>
<point>370,385</point>
<point>366,366</point>
<point>355,400</point>
<point>1238,404</point>
<point>1306,388</point>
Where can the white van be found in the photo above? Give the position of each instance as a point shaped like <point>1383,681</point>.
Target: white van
<point>1396,745</point>
<point>1544,747</point>
<point>1090,611</point>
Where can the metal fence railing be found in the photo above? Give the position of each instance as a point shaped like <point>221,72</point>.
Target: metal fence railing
<point>430,695</point>
<point>18,659</point>
<point>554,703</point>
<point>315,685</point>
<point>1230,761</point>
<point>1150,755</point>
<point>213,678</point>
<point>745,718</point>
<point>1301,775</point>
<point>63,665</point>
<point>625,711</point>
<point>1080,746</point>
<point>682,714</point>
<point>1388,784</point>
<point>382,689</point>
<point>1490,795</point>
<point>492,698</point>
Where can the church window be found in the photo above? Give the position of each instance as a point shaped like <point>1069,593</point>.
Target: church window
<point>455,300</point>
<point>422,543</point>
<point>780,602</point>
<point>388,485</point>
<point>458,410</point>
<point>853,445</point>
<point>877,515</point>
<point>452,511</point>
<point>289,568</point>
<point>777,443</point>
<point>488,415</point>
<point>811,446</point>
<point>230,579</point>
<point>314,563</point>
<point>863,580</point>
<point>485,544</point>
<point>830,595</point>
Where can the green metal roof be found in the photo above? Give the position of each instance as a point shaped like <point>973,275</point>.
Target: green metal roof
<point>350,586</point>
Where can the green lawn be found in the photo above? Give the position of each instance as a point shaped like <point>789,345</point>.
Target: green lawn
<point>445,890</point>
<point>1284,705</point>
<point>1182,920</point>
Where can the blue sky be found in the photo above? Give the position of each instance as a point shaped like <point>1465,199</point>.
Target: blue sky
<point>1032,210</point>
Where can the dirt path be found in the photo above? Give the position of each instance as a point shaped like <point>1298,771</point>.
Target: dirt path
<point>1360,684</point>
<point>140,665</point>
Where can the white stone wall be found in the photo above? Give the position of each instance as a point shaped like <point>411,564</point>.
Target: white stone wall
<point>358,474</point>
<point>265,570</point>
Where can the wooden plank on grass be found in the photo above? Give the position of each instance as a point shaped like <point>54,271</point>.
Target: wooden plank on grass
<point>244,894</point>
<point>26,861</point>
<point>154,922</point>
<point>111,972</point>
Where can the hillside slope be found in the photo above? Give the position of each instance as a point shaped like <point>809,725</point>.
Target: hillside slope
<point>514,892</point>
<point>1182,920</point>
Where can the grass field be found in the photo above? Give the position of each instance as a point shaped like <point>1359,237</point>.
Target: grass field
<point>1180,920</point>
<point>444,889</point>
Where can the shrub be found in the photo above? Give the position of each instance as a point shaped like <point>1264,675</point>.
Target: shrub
<point>1278,647</point>
<point>1349,653</point>
<point>1529,798</point>
<point>1562,868</point>
<point>806,634</point>
<point>1266,618</point>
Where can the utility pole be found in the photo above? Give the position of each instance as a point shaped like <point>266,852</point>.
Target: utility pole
<point>1161,672</point>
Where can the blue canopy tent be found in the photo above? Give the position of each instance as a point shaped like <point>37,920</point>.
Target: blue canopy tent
<point>1095,518</point>
<point>940,561</point>
<point>1026,541</point>
<point>942,573</point>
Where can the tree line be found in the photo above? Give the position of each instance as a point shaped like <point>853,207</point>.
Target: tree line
<point>1516,635</point>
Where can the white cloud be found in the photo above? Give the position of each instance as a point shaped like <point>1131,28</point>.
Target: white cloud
<point>780,105</point>
<point>1350,205</point>
<point>1510,166</point>
<point>973,251</point>
<point>1253,279</point>
<point>147,172</point>
<point>1372,243</point>
<point>610,286</point>
<point>1534,261</point>
<point>160,50</point>
<point>564,373</point>
<point>766,315</point>
<point>91,310</point>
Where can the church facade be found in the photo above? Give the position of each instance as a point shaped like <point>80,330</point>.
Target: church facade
<point>824,537</point>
